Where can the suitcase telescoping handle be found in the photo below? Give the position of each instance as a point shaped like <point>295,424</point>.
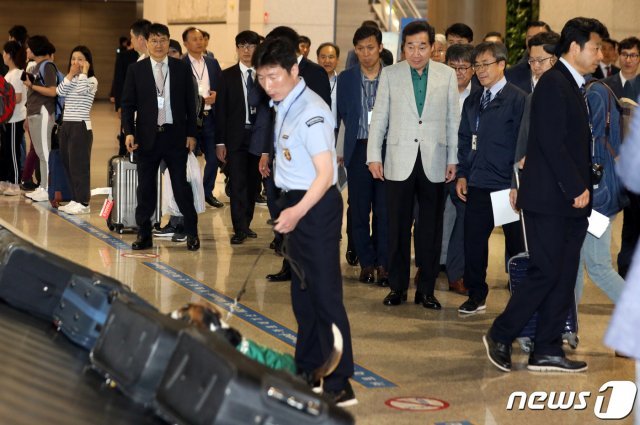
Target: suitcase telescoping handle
<point>516,172</point>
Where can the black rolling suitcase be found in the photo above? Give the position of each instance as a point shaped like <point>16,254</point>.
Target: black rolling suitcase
<point>31,278</point>
<point>134,348</point>
<point>208,382</point>
<point>85,304</point>
<point>518,266</point>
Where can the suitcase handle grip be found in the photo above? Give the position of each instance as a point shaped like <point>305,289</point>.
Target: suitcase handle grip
<point>516,172</point>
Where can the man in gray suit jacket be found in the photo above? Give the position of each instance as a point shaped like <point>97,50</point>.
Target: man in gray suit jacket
<point>418,114</point>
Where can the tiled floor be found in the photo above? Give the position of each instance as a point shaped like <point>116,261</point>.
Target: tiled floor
<point>401,352</point>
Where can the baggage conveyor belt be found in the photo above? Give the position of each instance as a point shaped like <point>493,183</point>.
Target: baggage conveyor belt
<point>44,379</point>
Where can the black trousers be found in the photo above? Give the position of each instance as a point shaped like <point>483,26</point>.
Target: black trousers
<point>630,233</point>
<point>478,225</point>
<point>314,245</point>
<point>554,248</point>
<point>400,198</point>
<point>11,135</point>
<point>175,157</point>
<point>75,151</point>
<point>244,175</point>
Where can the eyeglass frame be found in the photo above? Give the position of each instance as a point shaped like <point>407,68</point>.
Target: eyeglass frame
<point>633,56</point>
<point>246,46</point>
<point>461,68</point>
<point>158,41</point>
<point>481,66</point>
<point>540,61</point>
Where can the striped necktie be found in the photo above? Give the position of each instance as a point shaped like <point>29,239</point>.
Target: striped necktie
<point>486,99</point>
<point>159,77</point>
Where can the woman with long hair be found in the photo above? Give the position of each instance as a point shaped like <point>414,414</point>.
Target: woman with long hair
<point>75,135</point>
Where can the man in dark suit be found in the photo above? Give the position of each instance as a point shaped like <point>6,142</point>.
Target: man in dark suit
<point>355,100</point>
<point>207,73</point>
<point>160,90</point>
<point>520,73</point>
<point>606,67</point>
<point>627,84</point>
<point>235,120</point>
<point>555,195</point>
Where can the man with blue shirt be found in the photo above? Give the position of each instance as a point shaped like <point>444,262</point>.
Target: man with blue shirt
<point>489,127</point>
<point>311,215</point>
<point>356,98</point>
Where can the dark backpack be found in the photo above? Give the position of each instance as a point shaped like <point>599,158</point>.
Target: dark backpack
<point>59,78</point>
<point>7,100</point>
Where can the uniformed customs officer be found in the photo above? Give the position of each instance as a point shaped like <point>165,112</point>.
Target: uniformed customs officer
<point>306,171</point>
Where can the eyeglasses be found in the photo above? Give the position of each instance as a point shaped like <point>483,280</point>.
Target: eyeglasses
<point>633,56</point>
<point>461,68</point>
<point>158,41</point>
<point>481,66</point>
<point>539,61</point>
<point>246,46</point>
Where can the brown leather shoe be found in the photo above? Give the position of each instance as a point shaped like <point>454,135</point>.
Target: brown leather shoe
<point>458,287</point>
<point>383,276</point>
<point>367,275</point>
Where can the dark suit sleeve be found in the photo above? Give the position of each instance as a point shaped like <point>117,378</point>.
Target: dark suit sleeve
<point>129,102</point>
<point>550,118</point>
<point>221,111</point>
<point>464,140</point>
<point>316,78</point>
<point>217,74</point>
<point>190,93</point>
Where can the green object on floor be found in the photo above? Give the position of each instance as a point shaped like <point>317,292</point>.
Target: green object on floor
<point>267,356</point>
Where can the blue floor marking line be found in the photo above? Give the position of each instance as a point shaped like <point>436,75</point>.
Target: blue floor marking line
<point>89,228</point>
<point>361,375</point>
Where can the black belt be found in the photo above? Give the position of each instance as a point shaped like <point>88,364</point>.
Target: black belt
<point>362,141</point>
<point>162,128</point>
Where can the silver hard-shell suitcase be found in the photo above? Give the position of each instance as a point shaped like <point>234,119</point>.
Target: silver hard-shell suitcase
<point>123,180</point>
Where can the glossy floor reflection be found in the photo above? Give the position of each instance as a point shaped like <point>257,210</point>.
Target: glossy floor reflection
<point>433,362</point>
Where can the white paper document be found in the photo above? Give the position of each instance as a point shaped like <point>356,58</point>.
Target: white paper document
<point>502,211</point>
<point>598,223</point>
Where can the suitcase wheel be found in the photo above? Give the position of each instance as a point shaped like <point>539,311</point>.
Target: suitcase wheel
<point>119,228</point>
<point>572,339</point>
<point>526,344</point>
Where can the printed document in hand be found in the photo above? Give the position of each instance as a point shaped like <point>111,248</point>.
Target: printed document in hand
<point>502,211</point>
<point>598,223</point>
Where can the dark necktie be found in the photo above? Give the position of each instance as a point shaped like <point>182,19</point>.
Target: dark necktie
<point>250,83</point>
<point>608,70</point>
<point>627,90</point>
<point>486,99</point>
<point>250,88</point>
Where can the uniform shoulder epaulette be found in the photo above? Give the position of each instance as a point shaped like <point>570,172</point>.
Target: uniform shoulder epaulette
<point>314,120</point>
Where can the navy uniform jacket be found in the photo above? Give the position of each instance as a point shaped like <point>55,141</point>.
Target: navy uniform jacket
<point>139,95</point>
<point>558,165</point>
<point>491,165</point>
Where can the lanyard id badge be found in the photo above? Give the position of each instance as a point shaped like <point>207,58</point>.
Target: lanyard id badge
<point>160,102</point>
<point>474,142</point>
<point>369,114</point>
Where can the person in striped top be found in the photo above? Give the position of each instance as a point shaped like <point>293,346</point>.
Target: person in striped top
<point>79,89</point>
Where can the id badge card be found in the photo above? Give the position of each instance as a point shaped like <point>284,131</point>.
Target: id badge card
<point>369,114</point>
<point>474,142</point>
<point>160,102</point>
<point>202,90</point>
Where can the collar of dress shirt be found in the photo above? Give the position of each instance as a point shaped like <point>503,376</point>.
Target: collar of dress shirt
<point>244,68</point>
<point>576,75</point>
<point>299,59</point>
<point>497,87</point>
<point>198,61</point>
<point>164,61</point>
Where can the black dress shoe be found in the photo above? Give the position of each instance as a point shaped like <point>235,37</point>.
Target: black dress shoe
<point>545,363</point>
<point>283,275</point>
<point>427,301</point>
<point>272,245</point>
<point>367,275</point>
<point>251,234</point>
<point>143,242</point>
<point>499,354</point>
<point>193,243</point>
<point>395,297</point>
<point>211,200</point>
<point>352,257</point>
<point>238,238</point>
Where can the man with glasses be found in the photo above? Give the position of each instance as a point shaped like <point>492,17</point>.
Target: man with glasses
<point>420,133</point>
<point>626,84</point>
<point>489,126</point>
<point>459,58</point>
<point>520,74</point>
<point>165,130</point>
<point>235,123</point>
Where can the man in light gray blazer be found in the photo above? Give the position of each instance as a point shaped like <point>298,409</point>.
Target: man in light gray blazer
<point>415,121</point>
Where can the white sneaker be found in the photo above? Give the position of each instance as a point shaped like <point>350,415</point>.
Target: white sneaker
<point>39,195</point>
<point>64,208</point>
<point>33,192</point>
<point>78,208</point>
<point>12,190</point>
